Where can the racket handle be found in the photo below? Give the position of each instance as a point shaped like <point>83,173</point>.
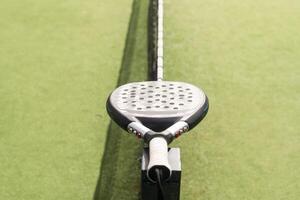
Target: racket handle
<point>158,159</point>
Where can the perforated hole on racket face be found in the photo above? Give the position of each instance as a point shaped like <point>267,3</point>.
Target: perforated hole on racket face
<point>153,98</point>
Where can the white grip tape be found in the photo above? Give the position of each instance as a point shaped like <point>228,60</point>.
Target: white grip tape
<point>158,154</point>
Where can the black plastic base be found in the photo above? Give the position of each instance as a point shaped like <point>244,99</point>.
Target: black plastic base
<point>149,190</point>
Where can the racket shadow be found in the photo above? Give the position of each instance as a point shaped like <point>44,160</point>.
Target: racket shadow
<point>120,167</point>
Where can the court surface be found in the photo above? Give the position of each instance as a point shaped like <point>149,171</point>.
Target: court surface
<point>59,61</point>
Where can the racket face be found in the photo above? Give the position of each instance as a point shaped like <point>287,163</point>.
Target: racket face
<point>158,98</point>
<point>157,104</point>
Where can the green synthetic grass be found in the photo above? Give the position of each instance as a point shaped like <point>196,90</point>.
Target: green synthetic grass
<point>120,175</point>
<point>246,56</point>
<point>59,60</point>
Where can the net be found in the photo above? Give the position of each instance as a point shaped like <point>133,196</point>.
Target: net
<point>152,38</point>
<point>155,39</point>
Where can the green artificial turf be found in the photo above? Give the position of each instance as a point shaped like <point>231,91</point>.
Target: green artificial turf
<point>246,56</point>
<point>60,59</point>
<point>120,175</point>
